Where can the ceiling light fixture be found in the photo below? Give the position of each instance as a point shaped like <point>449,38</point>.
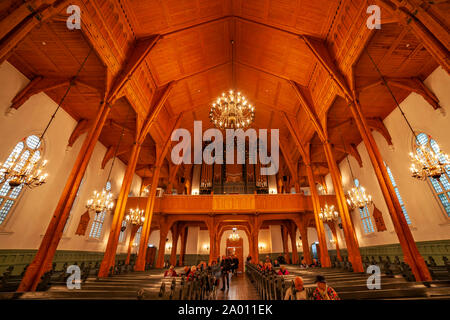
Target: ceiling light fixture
<point>232,110</point>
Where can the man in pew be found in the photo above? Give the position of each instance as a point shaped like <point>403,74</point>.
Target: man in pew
<point>323,291</point>
<point>269,268</point>
<point>260,266</point>
<point>283,271</point>
<point>300,292</point>
<point>276,264</point>
<point>171,272</point>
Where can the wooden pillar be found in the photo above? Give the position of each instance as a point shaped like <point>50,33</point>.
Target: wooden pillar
<point>162,247</point>
<point>349,231</point>
<point>305,245</point>
<point>119,214</point>
<point>284,237</point>
<point>134,229</point>
<point>333,231</point>
<point>53,234</point>
<point>140,261</point>
<point>407,243</point>
<point>213,254</point>
<point>292,233</point>
<point>175,234</point>
<point>324,256</point>
<point>183,235</point>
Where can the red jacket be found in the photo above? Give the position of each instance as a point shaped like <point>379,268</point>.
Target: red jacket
<point>280,273</point>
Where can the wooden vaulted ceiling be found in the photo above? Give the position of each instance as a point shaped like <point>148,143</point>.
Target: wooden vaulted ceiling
<point>195,51</point>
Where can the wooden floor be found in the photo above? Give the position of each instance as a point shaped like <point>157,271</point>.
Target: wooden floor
<point>240,289</point>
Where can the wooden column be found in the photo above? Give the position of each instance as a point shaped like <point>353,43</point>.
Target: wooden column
<point>140,261</point>
<point>134,229</point>
<point>324,256</point>
<point>175,234</point>
<point>183,235</point>
<point>119,214</point>
<point>292,233</point>
<point>306,252</point>
<point>347,224</point>
<point>409,248</point>
<point>212,239</point>
<point>162,246</point>
<point>334,232</point>
<point>284,237</point>
<point>53,234</point>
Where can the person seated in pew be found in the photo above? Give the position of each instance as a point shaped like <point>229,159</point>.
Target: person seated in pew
<point>268,259</point>
<point>314,264</point>
<point>171,272</point>
<point>276,264</point>
<point>323,291</point>
<point>283,271</point>
<point>269,268</point>
<point>300,292</point>
<point>303,264</point>
<point>260,266</point>
<point>186,270</point>
<point>191,274</point>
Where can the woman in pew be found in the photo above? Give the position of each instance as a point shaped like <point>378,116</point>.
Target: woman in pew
<point>171,272</point>
<point>323,291</point>
<point>268,268</point>
<point>191,274</point>
<point>260,266</point>
<point>276,264</point>
<point>283,271</point>
<point>300,292</point>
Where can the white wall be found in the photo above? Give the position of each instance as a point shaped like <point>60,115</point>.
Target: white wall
<point>28,220</point>
<point>429,220</point>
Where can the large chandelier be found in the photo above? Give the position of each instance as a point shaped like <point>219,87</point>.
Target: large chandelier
<point>135,216</point>
<point>29,172</point>
<point>232,111</point>
<point>428,163</point>
<point>234,235</point>
<point>328,213</point>
<point>357,198</point>
<point>100,201</point>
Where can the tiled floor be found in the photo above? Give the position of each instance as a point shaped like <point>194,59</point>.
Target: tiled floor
<point>240,289</point>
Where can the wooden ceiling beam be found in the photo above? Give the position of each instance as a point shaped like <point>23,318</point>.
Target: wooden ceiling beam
<point>109,154</point>
<point>137,55</point>
<point>155,111</point>
<point>350,149</point>
<point>415,85</point>
<point>292,168</point>
<point>378,125</point>
<point>17,25</point>
<point>295,136</point>
<point>81,127</point>
<point>320,52</point>
<point>309,109</point>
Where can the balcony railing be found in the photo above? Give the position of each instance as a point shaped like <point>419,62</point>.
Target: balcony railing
<point>261,203</point>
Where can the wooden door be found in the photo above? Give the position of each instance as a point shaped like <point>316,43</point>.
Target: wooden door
<point>150,256</point>
<point>235,247</point>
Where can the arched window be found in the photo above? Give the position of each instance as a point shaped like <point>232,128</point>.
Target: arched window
<point>97,224</point>
<point>22,151</point>
<point>365,215</point>
<point>397,192</point>
<point>441,186</point>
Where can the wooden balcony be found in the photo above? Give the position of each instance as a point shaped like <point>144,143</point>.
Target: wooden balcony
<point>226,204</point>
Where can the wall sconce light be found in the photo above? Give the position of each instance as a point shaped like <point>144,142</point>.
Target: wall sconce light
<point>262,246</point>
<point>332,241</point>
<point>169,246</point>
<point>299,244</point>
<point>206,247</point>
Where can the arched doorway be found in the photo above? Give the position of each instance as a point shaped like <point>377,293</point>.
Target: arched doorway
<point>236,247</point>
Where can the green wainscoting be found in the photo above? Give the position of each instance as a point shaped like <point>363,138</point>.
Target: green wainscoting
<point>436,249</point>
<point>20,258</point>
<point>190,259</point>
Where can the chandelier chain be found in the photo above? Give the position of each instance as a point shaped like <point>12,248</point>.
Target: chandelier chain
<point>71,84</point>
